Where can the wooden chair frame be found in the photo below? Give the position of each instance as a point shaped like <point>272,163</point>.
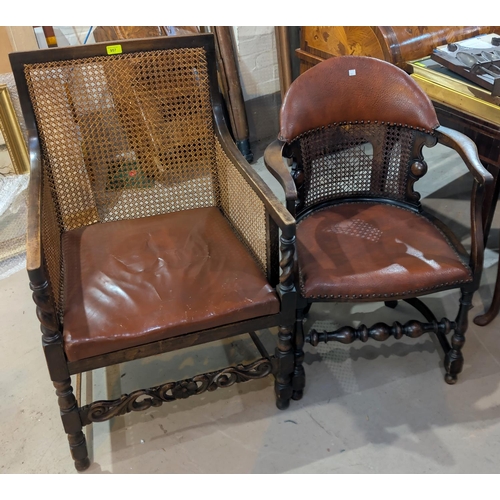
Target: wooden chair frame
<point>74,416</point>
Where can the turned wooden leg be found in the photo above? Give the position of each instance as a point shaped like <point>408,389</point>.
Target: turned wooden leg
<point>299,376</point>
<point>285,367</point>
<point>56,363</point>
<point>284,349</point>
<point>72,424</point>
<point>454,360</point>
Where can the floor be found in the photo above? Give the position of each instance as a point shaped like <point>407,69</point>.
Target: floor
<point>367,408</point>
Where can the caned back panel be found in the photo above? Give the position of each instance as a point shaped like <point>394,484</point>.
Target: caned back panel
<point>243,208</point>
<point>131,136</point>
<point>355,160</point>
<point>125,136</point>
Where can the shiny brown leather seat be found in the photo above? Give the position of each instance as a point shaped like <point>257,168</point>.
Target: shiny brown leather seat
<point>171,274</point>
<point>369,251</point>
<point>353,130</point>
<point>148,230</point>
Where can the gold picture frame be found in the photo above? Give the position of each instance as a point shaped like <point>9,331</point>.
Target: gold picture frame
<point>12,133</point>
<point>14,177</point>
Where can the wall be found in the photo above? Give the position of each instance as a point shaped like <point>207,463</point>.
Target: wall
<point>258,61</point>
<point>259,74</point>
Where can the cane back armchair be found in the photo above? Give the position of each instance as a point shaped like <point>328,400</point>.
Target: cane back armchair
<point>352,133</point>
<point>148,231</point>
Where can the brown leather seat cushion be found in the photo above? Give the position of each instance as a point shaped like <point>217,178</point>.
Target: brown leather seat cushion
<point>370,251</point>
<point>132,282</point>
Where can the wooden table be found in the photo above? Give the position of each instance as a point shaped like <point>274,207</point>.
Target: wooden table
<point>475,113</point>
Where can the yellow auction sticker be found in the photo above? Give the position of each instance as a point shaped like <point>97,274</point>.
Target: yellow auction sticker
<point>113,49</point>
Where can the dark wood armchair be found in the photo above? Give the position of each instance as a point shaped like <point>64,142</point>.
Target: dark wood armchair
<point>353,131</point>
<point>148,231</point>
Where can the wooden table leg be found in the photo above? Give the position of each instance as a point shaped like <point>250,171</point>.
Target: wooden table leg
<point>490,200</point>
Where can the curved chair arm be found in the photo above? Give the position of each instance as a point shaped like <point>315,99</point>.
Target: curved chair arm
<point>42,292</point>
<point>34,231</point>
<point>467,150</point>
<point>273,160</point>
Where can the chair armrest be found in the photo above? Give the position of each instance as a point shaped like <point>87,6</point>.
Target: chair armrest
<point>34,232</point>
<point>274,207</point>
<point>273,160</point>
<point>467,150</point>
<point>39,284</point>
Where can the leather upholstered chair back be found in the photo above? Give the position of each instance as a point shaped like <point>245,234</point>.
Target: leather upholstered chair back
<point>354,122</point>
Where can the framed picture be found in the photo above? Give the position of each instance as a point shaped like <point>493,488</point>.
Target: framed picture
<point>16,161</point>
<point>14,170</point>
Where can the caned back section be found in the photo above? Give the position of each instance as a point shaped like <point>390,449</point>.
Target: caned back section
<point>125,136</point>
<point>355,160</point>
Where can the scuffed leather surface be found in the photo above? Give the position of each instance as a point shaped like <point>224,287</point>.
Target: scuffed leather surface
<point>132,282</point>
<point>379,91</point>
<point>366,250</point>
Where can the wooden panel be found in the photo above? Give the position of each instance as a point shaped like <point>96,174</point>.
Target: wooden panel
<point>485,134</point>
<point>108,33</point>
<point>22,38</point>
<point>343,40</point>
<point>396,44</point>
<point>15,39</point>
<point>407,43</point>
<point>5,50</point>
